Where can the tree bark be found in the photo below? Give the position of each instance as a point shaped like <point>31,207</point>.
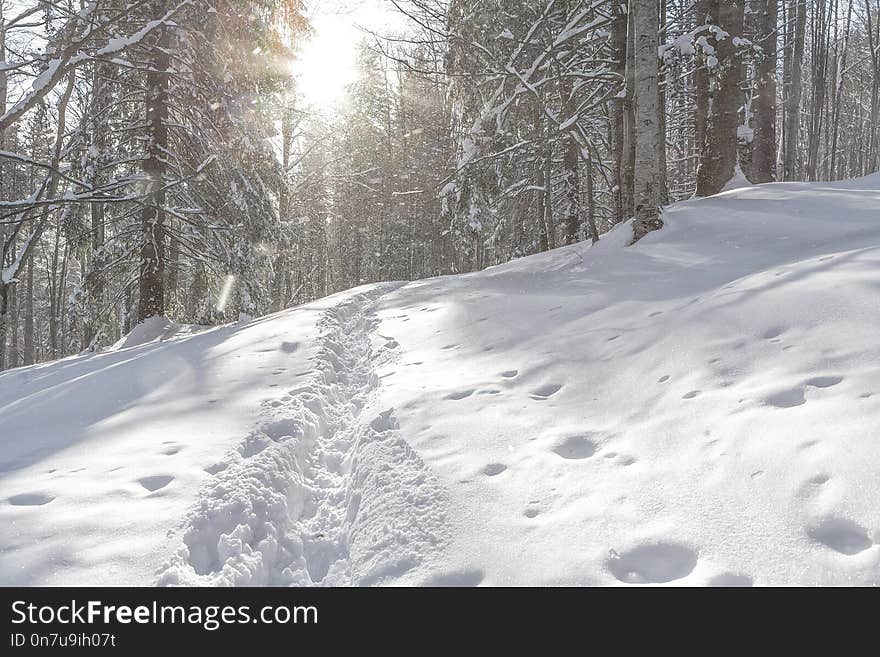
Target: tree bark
<point>701,82</point>
<point>718,160</point>
<point>797,11</point>
<point>629,139</point>
<point>646,184</point>
<point>619,106</point>
<point>29,352</point>
<point>151,281</point>
<point>763,168</point>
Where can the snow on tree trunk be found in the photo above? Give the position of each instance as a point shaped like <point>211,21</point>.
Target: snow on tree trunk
<point>646,184</point>
<point>718,160</point>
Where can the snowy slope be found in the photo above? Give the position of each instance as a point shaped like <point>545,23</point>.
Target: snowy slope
<point>700,409</point>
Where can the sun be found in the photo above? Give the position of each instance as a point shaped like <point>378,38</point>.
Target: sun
<point>327,61</point>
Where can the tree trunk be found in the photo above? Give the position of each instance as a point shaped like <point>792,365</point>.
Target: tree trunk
<point>701,82</point>
<point>797,11</point>
<point>838,91</point>
<point>619,106</point>
<point>763,169</point>
<point>572,219</point>
<point>646,184</point>
<point>718,161</point>
<point>661,112</point>
<point>29,354</point>
<point>151,281</point>
<point>629,128</point>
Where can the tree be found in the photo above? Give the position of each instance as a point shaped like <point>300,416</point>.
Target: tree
<point>646,184</point>
<point>763,163</point>
<point>718,159</point>
<point>793,86</point>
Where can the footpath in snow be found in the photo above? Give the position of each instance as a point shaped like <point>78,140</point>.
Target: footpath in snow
<point>225,457</point>
<point>700,409</point>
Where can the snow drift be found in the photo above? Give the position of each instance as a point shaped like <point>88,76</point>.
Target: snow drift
<point>700,409</point>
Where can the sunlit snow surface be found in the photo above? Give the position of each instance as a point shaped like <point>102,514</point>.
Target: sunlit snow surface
<point>700,409</point>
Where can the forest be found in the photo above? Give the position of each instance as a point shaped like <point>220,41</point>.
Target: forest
<point>156,157</point>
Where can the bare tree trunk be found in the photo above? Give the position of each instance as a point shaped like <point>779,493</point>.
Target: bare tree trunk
<point>618,106</point>
<point>548,198</point>
<point>29,354</point>
<point>797,11</point>
<point>763,167</point>
<point>13,327</point>
<point>543,241</point>
<point>718,161</point>
<point>629,139</point>
<point>646,184</point>
<point>820,35</point>
<point>151,301</point>
<point>701,82</point>
<point>591,200</point>
<point>838,91</point>
<point>661,112</point>
<point>572,221</point>
<point>95,284</point>
<point>873,29</point>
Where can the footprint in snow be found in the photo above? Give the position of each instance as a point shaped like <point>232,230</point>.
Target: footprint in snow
<point>281,429</point>
<point>575,448</point>
<point>691,394</point>
<point>171,450</point>
<point>509,374</point>
<point>823,381</point>
<point>663,379</point>
<point>494,469</point>
<point>786,398</point>
<point>155,482</point>
<point>546,390</point>
<point>216,468</point>
<point>841,535</point>
<point>653,563</point>
<point>461,394</point>
<point>795,396</point>
<point>729,580</point>
<point>656,314</point>
<point>814,485</point>
<point>385,421</point>
<point>30,499</point>
<point>531,512</point>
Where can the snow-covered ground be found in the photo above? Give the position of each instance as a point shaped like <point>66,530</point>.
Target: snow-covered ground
<point>700,409</point>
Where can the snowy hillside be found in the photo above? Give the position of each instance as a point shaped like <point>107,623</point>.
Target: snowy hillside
<point>699,409</point>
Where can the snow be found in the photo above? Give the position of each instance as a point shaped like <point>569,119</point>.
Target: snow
<point>699,409</point>
<point>738,181</point>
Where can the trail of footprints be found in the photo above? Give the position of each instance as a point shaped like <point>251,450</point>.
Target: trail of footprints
<point>150,483</point>
<point>541,393</point>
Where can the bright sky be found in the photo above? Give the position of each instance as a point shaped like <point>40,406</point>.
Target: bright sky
<point>327,62</point>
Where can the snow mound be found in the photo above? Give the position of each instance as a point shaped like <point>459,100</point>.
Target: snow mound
<point>154,329</point>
